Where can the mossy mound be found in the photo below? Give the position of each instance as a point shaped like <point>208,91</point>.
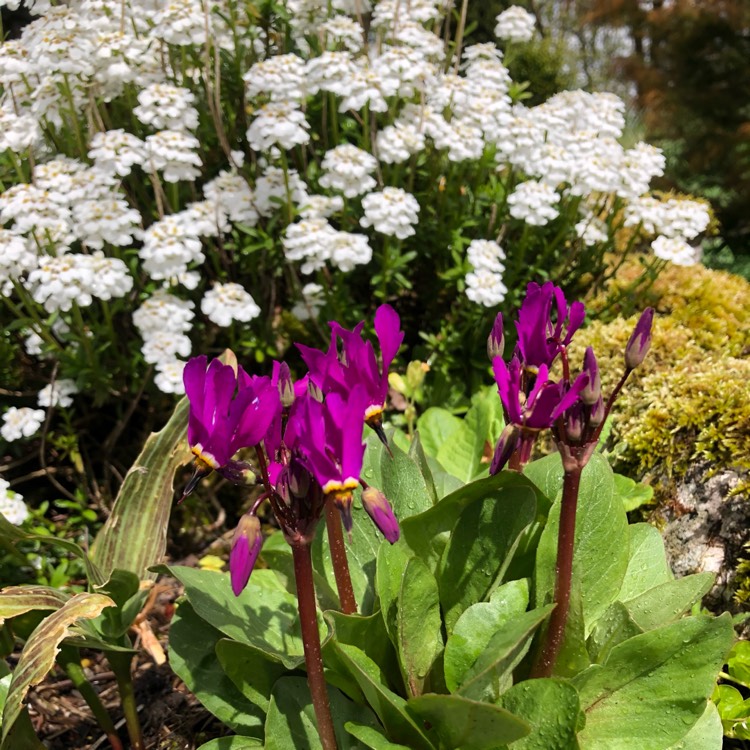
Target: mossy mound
<point>690,400</point>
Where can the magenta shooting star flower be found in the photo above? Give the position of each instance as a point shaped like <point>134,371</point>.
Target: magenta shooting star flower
<point>640,340</point>
<point>246,545</point>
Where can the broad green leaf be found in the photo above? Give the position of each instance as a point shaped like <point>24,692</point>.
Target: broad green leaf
<point>427,533</point>
<point>436,426</point>
<point>371,737</point>
<point>461,454</point>
<point>467,724</point>
<point>11,535</point>
<point>390,708</point>
<point>490,674</point>
<point>481,547</point>
<point>547,475</point>
<point>654,686</point>
<point>17,600</point>
<point>5,678</point>
<point>38,655</point>
<point>612,628</point>
<point>251,671</point>
<point>647,564</point>
<point>601,544</point>
<point>706,733</point>
<point>419,625</point>
<point>632,494</point>
<point>22,735</point>
<point>233,743</point>
<point>667,601</point>
<point>416,453</point>
<point>390,567</point>
<point>291,722</point>
<point>476,627</point>
<point>738,663</point>
<point>134,537</point>
<point>264,615</point>
<point>733,710</point>
<point>192,656</point>
<point>550,707</point>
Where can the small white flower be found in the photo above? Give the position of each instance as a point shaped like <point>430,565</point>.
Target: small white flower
<point>486,254</point>
<point>485,287</point>
<point>592,231</point>
<point>111,221</point>
<point>271,190</point>
<point>18,132</point>
<point>309,240</point>
<point>313,298</point>
<point>515,24</point>
<point>165,346</point>
<point>534,202</point>
<point>166,107</point>
<point>169,246</point>
<point>116,152</point>
<point>349,250</point>
<point>12,506</point>
<point>676,250</point>
<point>320,206</point>
<point>348,169</point>
<point>278,124</point>
<point>20,423</point>
<point>168,378</point>
<point>173,153</point>
<point>281,77</point>
<point>225,303</point>
<point>393,212</point>
<point>58,393</point>
<point>163,311</point>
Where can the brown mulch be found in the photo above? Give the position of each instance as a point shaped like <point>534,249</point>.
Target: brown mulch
<point>171,717</point>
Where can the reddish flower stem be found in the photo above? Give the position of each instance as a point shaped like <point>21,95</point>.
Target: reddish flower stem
<point>303,575</point>
<point>340,561</point>
<point>553,638</point>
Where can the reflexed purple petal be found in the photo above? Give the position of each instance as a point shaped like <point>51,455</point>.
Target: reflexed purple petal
<point>508,379</point>
<point>379,509</point>
<point>571,396</point>
<point>194,378</point>
<point>542,377</point>
<point>505,447</point>
<point>246,545</point>
<point>390,335</point>
<point>640,340</point>
<point>575,320</point>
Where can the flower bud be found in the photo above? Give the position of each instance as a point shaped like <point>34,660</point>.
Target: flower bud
<point>496,339</point>
<point>379,509</point>
<point>415,374</point>
<point>286,385</point>
<point>246,545</point>
<point>574,423</point>
<point>505,447</point>
<point>592,391</point>
<point>640,340</point>
<point>597,413</point>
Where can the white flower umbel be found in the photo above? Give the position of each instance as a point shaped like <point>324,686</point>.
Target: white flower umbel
<point>16,258</point>
<point>12,506</point>
<point>18,132</point>
<point>343,30</point>
<point>21,422</point>
<point>116,152</point>
<point>389,13</point>
<point>168,378</point>
<point>166,107</point>
<point>321,206</point>
<point>592,231</point>
<point>271,190</point>
<point>330,72</point>
<point>348,169</point>
<point>204,218</point>
<point>278,124</point>
<point>677,250</point>
<point>309,240</point>
<point>108,278</point>
<point>58,282</point>
<point>485,287</point>
<point>639,166</point>
<point>398,142</point>
<point>165,346</point>
<point>181,22</point>
<point>111,221</point>
<point>59,393</point>
<point>232,194</point>
<point>349,250</point>
<point>486,254</point>
<point>225,303</point>
<point>173,153</point>
<point>163,311</point>
<point>675,217</point>
<point>515,24</point>
<point>534,202</point>
<point>281,78</point>
<point>368,85</point>
<point>313,299</point>
<point>169,247</point>
<point>393,212</point>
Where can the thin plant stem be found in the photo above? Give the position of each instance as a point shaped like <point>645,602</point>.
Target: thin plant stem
<point>340,561</point>
<point>303,575</point>
<point>120,664</point>
<point>553,638</point>
<point>69,659</point>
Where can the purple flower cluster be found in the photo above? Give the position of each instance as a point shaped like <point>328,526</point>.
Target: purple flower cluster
<point>573,408</point>
<point>307,434</point>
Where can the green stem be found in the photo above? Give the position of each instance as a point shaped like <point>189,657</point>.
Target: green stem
<point>303,575</point>
<point>553,638</point>
<point>340,561</point>
<point>69,659</point>
<point>121,663</point>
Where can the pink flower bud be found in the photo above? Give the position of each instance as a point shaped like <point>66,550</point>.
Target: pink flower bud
<point>246,545</point>
<point>379,509</point>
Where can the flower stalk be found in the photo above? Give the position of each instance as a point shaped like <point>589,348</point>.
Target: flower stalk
<point>121,664</point>
<point>340,562</point>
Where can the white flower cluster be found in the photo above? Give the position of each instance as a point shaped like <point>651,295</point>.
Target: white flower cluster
<point>392,211</point>
<point>484,285</point>
<point>515,24</point>
<point>166,107</point>
<point>12,506</point>
<point>60,393</point>
<point>225,303</point>
<point>21,422</point>
<point>534,202</point>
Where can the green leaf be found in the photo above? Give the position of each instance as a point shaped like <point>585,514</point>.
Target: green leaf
<point>436,426</point>
<point>427,533</point>
<point>481,547</point>
<point>654,686</point>
<point>667,601</point>
<point>134,537</point>
<point>612,628</point>
<point>17,600</point>
<point>416,453</point>
<point>733,709</point>
<point>371,737</point>
<point>706,733</point>
<point>601,544</point>
<point>467,724</point>
<point>547,475</point>
<point>461,454</point>
<point>390,708</point>
<point>476,627</point>
<point>419,626</point>
<point>232,743</point>
<point>632,494</point>
<point>739,663</point>
<point>550,707</point>
<point>251,671</point>
<point>490,675</point>
<point>38,655</point>
<point>291,722</point>
<point>647,564</point>
<point>192,656</point>
<point>264,615</point>
<point>389,571</point>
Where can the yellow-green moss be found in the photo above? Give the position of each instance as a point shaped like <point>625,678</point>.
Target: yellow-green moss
<point>690,400</point>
